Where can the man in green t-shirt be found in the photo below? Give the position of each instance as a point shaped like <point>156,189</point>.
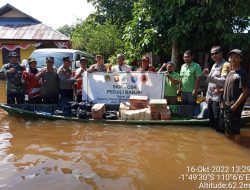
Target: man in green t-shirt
<point>171,83</point>
<point>190,75</point>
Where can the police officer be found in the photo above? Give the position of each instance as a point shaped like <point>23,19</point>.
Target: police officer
<point>15,87</point>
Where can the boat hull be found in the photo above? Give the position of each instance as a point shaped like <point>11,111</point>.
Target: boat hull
<point>181,122</point>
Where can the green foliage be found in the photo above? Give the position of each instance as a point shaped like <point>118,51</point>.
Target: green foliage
<point>137,26</point>
<point>117,12</point>
<point>66,30</point>
<point>193,24</point>
<point>94,37</point>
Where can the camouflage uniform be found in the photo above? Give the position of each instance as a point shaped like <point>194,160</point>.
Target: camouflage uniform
<point>15,86</point>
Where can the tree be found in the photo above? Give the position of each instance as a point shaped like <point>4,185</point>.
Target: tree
<point>117,12</point>
<point>96,38</point>
<point>66,30</point>
<point>161,24</point>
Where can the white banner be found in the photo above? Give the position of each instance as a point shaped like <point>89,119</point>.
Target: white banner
<point>113,88</point>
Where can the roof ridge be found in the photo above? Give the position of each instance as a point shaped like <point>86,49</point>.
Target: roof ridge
<point>8,7</point>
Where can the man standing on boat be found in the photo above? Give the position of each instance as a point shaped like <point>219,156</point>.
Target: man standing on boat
<point>190,75</point>
<point>121,65</point>
<point>235,92</point>
<point>66,81</point>
<point>15,87</point>
<point>171,83</point>
<point>33,86</point>
<point>145,66</point>
<point>99,66</point>
<point>78,76</point>
<point>50,84</point>
<point>216,78</point>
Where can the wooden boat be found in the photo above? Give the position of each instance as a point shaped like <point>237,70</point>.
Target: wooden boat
<point>35,111</point>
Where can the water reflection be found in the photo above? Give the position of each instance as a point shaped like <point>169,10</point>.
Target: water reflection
<point>68,154</point>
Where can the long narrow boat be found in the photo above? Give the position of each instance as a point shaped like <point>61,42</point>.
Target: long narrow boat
<point>45,111</point>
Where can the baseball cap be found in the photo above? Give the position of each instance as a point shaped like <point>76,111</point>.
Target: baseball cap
<point>31,59</point>
<point>12,54</point>
<point>83,58</point>
<point>237,51</point>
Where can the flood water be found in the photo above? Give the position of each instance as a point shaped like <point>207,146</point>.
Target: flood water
<point>58,155</point>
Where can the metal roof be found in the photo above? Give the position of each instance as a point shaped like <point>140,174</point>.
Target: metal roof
<point>20,31</point>
<point>26,28</point>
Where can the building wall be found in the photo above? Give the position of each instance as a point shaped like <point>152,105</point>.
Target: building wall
<point>24,53</point>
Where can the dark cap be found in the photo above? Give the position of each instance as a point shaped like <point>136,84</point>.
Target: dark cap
<point>66,59</point>
<point>12,54</point>
<point>83,58</point>
<point>31,59</point>
<point>49,58</point>
<point>171,63</point>
<point>237,51</point>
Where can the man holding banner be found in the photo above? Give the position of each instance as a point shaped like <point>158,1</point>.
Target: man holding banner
<point>171,83</point>
<point>99,66</point>
<point>113,88</point>
<point>121,66</point>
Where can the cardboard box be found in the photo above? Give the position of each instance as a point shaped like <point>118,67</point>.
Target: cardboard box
<point>141,114</point>
<point>165,115</point>
<point>158,105</point>
<point>163,109</point>
<point>138,102</point>
<point>97,111</point>
<point>155,115</point>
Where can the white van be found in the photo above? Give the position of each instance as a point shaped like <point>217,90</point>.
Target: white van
<point>58,54</point>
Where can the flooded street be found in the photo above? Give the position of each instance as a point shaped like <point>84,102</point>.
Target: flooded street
<point>58,155</point>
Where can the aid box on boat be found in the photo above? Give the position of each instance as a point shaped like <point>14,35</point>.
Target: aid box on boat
<point>97,111</point>
<point>138,102</point>
<point>155,115</point>
<point>140,114</point>
<point>166,115</point>
<point>127,114</point>
<point>158,105</point>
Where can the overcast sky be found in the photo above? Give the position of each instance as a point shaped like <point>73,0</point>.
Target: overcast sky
<point>53,13</point>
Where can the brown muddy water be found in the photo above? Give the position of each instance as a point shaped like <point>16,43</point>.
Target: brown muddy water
<point>42,154</point>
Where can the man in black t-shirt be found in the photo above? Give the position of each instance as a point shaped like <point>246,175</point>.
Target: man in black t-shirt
<point>234,95</point>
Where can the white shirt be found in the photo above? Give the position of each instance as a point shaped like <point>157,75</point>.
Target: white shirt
<point>215,80</point>
<point>118,68</point>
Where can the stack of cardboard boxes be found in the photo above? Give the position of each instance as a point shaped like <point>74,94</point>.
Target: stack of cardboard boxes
<point>136,109</point>
<point>159,109</point>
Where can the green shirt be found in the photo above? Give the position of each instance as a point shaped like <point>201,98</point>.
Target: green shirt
<point>170,88</point>
<point>189,74</point>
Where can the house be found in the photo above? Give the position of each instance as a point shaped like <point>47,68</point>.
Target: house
<point>23,34</point>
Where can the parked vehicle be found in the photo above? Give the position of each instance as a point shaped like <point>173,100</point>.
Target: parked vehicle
<point>58,54</point>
